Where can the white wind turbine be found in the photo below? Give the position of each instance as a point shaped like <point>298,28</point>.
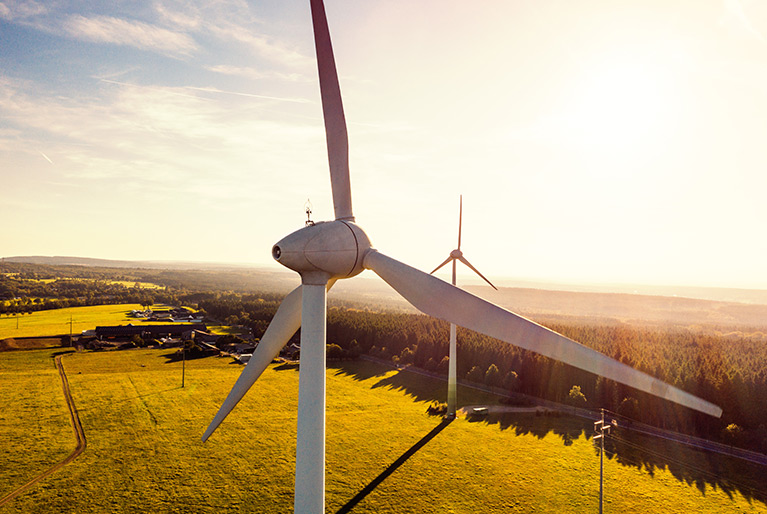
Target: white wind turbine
<point>456,255</point>
<point>328,251</point>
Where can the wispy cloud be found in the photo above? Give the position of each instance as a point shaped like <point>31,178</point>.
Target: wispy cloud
<point>249,95</point>
<point>261,44</point>
<point>254,74</point>
<point>190,19</point>
<point>107,29</point>
<point>12,10</point>
<point>170,137</point>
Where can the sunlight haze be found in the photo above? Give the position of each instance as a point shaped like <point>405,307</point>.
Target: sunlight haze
<point>592,141</point>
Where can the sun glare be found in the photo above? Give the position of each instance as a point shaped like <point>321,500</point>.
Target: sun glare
<point>619,104</point>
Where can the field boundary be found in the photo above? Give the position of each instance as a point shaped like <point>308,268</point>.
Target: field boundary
<point>74,418</point>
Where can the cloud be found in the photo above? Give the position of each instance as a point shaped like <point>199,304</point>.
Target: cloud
<point>231,22</point>
<point>189,20</point>
<point>169,137</point>
<point>106,29</point>
<point>249,95</point>
<point>13,10</point>
<point>261,44</point>
<point>254,74</point>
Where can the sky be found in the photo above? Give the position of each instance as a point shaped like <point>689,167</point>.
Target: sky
<point>592,141</point>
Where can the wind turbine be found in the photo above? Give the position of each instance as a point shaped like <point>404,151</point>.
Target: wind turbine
<point>456,255</point>
<point>324,252</point>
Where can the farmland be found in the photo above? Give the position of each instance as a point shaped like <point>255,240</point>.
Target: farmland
<point>56,322</point>
<point>144,451</point>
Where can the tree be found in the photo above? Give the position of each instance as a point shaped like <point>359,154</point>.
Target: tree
<point>576,398</point>
<point>475,375</point>
<point>511,381</point>
<point>629,407</point>
<point>406,357</point>
<point>335,352</point>
<point>492,376</point>
<point>732,433</point>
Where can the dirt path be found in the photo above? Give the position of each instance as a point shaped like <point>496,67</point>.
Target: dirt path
<point>79,436</point>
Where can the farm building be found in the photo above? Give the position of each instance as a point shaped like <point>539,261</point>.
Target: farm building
<point>128,331</point>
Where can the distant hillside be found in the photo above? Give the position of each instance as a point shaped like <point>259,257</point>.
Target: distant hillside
<point>627,308</point>
<point>108,263</point>
<point>547,302</point>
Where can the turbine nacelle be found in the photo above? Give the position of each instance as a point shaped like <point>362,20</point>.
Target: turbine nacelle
<point>333,249</point>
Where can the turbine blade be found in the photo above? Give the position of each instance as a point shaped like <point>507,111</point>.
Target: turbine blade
<point>475,270</point>
<point>333,113</point>
<point>444,301</point>
<point>460,219</point>
<point>284,324</point>
<point>446,261</point>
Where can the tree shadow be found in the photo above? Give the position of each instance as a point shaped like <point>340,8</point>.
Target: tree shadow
<point>702,469</point>
<point>62,352</point>
<point>285,366</point>
<point>420,388</point>
<point>541,424</point>
<point>358,370</point>
<point>693,466</point>
<point>174,357</point>
<point>393,467</point>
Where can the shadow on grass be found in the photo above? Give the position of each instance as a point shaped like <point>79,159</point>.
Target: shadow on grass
<point>358,370</point>
<point>705,470</point>
<point>567,428</point>
<point>420,388</point>
<point>62,352</point>
<point>173,357</point>
<point>697,467</point>
<point>393,467</point>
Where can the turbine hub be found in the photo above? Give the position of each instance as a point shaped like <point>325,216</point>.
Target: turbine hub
<point>456,254</point>
<point>335,248</point>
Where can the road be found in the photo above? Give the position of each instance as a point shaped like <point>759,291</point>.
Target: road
<point>79,437</point>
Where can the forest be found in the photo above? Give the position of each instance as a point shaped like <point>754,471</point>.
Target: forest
<point>726,366</point>
<point>728,371</point>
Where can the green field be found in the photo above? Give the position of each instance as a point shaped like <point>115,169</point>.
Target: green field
<point>144,452</point>
<point>34,420</point>
<point>56,321</point>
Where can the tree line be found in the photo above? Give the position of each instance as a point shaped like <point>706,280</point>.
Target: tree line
<point>729,372</point>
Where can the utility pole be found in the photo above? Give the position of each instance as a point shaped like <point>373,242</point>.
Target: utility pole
<point>600,431</point>
<point>183,364</point>
<point>70,330</point>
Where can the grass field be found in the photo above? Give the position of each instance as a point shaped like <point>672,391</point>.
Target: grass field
<point>34,420</point>
<point>144,452</point>
<point>56,321</point>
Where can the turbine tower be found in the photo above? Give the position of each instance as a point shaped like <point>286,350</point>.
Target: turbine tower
<point>456,255</point>
<point>324,252</point>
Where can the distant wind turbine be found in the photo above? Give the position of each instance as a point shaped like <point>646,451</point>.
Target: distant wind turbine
<point>456,255</point>
<point>324,252</point>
